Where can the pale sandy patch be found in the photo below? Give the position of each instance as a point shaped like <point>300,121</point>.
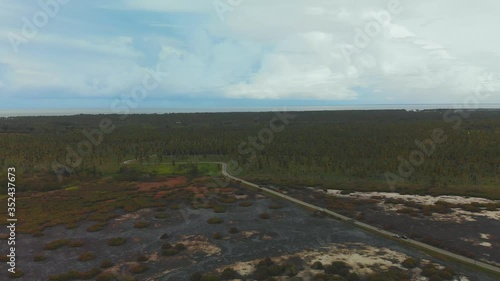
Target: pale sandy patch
<point>248,233</point>
<point>485,244</point>
<point>360,256</point>
<point>127,217</point>
<point>458,215</point>
<point>485,236</point>
<point>266,238</point>
<point>199,243</point>
<point>426,199</point>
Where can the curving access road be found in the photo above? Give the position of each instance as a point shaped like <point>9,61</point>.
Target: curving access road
<point>362,225</point>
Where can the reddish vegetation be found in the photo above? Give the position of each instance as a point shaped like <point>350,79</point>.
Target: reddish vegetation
<point>177,181</point>
<point>160,194</point>
<point>173,182</point>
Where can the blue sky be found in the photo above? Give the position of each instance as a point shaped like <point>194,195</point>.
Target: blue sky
<point>248,53</point>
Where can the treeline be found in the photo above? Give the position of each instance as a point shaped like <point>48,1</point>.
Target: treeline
<point>312,147</point>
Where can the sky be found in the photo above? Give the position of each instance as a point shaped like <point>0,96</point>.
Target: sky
<point>57,54</point>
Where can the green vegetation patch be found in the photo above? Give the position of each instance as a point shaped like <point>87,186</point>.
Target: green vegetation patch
<point>87,256</point>
<point>141,224</point>
<point>215,220</point>
<point>96,227</point>
<point>138,268</point>
<point>106,264</point>
<point>116,241</point>
<point>56,244</point>
<point>245,204</point>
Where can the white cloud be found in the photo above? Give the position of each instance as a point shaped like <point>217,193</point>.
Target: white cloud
<point>278,49</point>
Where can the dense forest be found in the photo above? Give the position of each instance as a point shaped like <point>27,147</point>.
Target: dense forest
<point>365,149</point>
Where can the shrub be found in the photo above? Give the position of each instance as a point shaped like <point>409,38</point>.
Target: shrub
<point>197,276</point>
<point>229,274</point>
<point>435,278</point>
<point>106,264</point>
<point>91,274</point>
<point>142,258</point>
<point>339,268</point>
<point>138,268</point>
<point>275,206</point>
<point>76,243</point>
<point>210,277</point>
<point>161,216</point>
<point>96,227</point>
<point>233,230</point>
<point>264,216</point>
<point>39,257</point>
<point>18,274</point>
<point>180,247</point>
<point>105,276</point>
<point>215,220</point>
<point>166,245</point>
<point>409,263</point>
<point>70,275</point>
<point>141,224</point>
<point>56,244</point>
<point>116,241</point>
<point>227,199</point>
<point>317,265</point>
<point>245,204</point>
<point>169,252</point>
<point>76,275</point>
<point>87,256</point>
<point>219,209</point>
<point>217,236</point>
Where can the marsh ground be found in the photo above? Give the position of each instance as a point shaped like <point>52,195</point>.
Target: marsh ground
<point>152,235</point>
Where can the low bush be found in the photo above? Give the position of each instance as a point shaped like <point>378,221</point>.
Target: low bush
<point>169,252</point>
<point>39,257</point>
<point>245,204</point>
<point>180,247</point>
<point>96,227</point>
<point>138,268</point>
<point>116,241</point>
<point>227,199</point>
<point>233,230</point>
<point>264,216</point>
<point>219,209</point>
<point>141,224</point>
<point>56,244</point>
<point>76,243</point>
<point>166,245</point>
<point>87,256</point>
<point>275,206</point>
<point>217,236</point>
<point>106,264</point>
<point>317,265</point>
<point>229,274</point>
<point>215,220</point>
<point>161,216</point>
<point>19,273</point>
<point>142,258</point>
<point>409,263</point>
<point>105,276</point>
<point>70,275</point>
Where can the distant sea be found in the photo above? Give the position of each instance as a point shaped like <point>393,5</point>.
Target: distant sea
<point>76,111</point>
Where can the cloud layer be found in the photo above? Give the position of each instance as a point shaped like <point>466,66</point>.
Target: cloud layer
<point>369,51</point>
